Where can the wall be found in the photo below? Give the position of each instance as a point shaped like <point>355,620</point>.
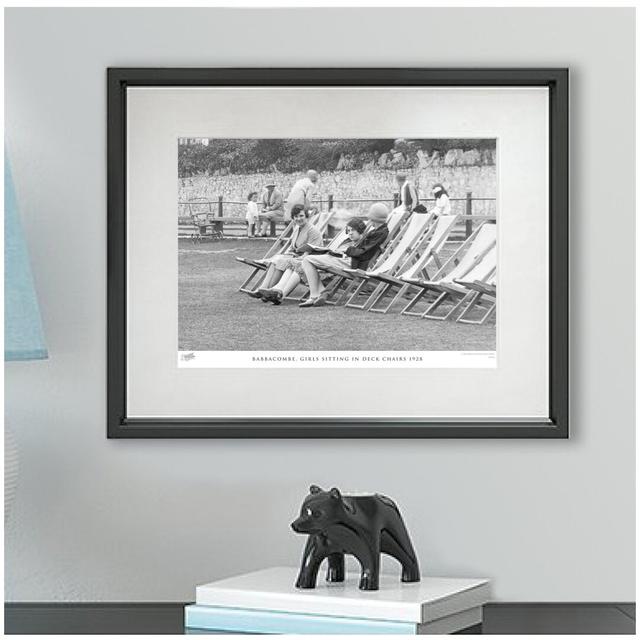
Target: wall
<point>135,520</point>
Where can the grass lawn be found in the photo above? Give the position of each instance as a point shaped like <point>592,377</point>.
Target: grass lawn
<point>214,316</point>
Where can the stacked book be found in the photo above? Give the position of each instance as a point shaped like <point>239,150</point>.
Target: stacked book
<point>268,602</point>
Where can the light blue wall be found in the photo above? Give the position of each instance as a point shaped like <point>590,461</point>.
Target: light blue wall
<point>136,520</point>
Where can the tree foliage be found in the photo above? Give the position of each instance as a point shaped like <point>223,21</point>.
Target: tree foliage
<point>289,155</point>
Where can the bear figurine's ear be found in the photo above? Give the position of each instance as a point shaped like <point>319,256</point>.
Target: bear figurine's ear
<point>314,488</point>
<point>335,493</point>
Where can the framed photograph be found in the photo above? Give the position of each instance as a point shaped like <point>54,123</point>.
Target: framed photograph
<point>348,253</point>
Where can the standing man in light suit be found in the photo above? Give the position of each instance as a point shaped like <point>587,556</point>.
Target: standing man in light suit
<point>301,193</point>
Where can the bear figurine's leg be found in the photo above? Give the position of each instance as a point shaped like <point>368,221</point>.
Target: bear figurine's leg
<point>370,578</point>
<point>335,570</point>
<point>411,573</point>
<point>390,546</point>
<point>309,574</point>
<point>396,528</point>
<point>370,563</point>
<point>311,560</point>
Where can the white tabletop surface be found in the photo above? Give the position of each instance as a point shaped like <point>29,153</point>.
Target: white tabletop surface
<point>274,589</point>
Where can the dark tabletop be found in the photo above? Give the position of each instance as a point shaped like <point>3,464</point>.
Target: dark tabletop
<point>166,618</point>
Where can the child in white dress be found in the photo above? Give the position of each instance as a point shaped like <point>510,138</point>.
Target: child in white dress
<point>252,213</point>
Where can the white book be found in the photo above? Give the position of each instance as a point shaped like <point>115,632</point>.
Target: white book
<point>418,602</point>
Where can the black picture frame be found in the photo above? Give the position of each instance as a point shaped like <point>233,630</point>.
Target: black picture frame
<point>119,425</point>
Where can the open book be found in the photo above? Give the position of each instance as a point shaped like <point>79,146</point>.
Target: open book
<point>318,249</point>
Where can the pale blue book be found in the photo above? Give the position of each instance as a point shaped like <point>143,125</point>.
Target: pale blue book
<point>272,622</point>
<point>204,618</point>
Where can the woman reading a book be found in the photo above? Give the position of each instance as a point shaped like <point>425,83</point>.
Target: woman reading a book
<point>285,270</point>
<point>288,263</point>
<point>362,247</point>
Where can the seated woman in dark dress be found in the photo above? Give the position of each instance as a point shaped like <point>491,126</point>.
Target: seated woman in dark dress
<point>362,248</point>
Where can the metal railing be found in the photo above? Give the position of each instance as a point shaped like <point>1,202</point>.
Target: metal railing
<point>207,217</point>
<point>217,207</point>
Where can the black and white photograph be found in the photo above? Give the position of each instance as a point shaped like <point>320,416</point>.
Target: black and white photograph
<point>311,251</point>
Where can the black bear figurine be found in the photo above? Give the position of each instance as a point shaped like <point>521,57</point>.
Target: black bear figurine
<point>361,525</point>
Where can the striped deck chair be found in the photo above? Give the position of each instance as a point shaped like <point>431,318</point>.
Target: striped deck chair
<point>458,295</point>
<point>282,243</point>
<point>469,255</point>
<point>427,261</point>
<point>338,278</point>
<point>395,223</point>
<point>396,260</point>
<point>482,299</point>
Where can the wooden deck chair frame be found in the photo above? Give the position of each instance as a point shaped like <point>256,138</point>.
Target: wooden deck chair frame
<point>426,287</point>
<point>458,295</point>
<point>478,294</point>
<point>339,278</point>
<point>281,242</point>
<point>406,247</point>
<point>427,253</point>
